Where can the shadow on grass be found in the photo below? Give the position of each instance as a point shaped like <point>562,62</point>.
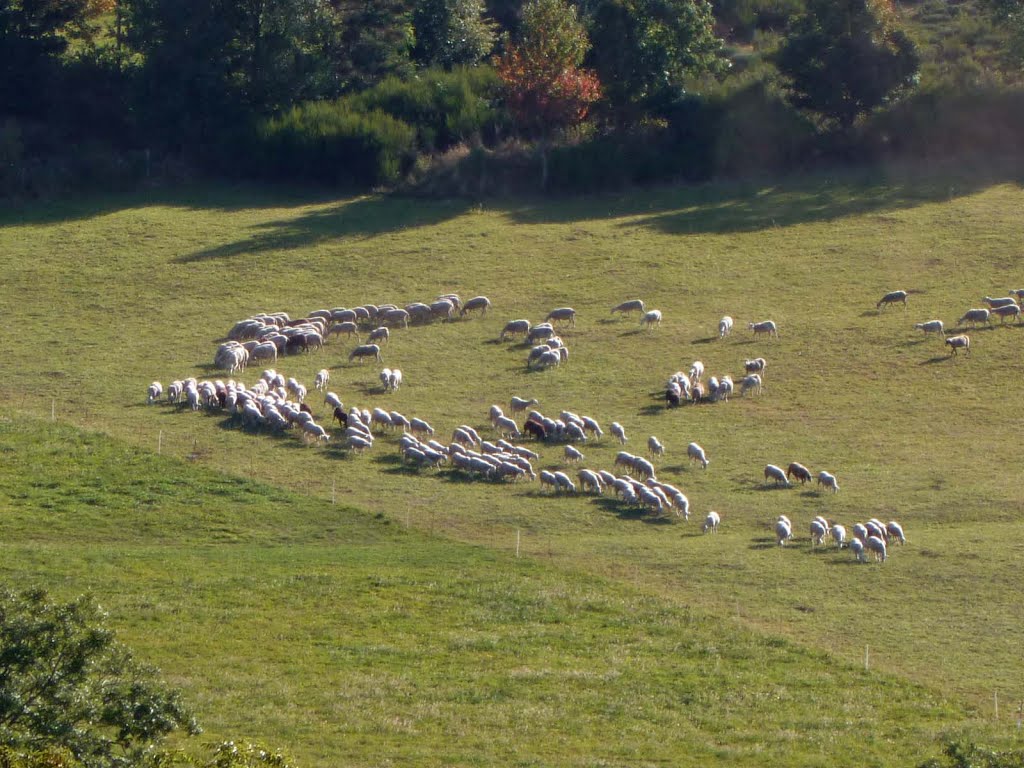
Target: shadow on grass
<point>624,511</point>
<point>752,206</point>
<point>934,360</point>
<point>360,218</point>
<point>705,340</point>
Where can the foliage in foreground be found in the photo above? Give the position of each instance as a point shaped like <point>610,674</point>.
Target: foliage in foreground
<point>66,683</point>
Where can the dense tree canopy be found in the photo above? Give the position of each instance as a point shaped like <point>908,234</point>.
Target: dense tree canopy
<point>643,50</point>
<point>451,32</point>
<point>844,58</point>
<point>65,682</point>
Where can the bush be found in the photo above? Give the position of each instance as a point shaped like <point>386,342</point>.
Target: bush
<point>940,124</point>
<point>328,142</point>
<point>446,108</point>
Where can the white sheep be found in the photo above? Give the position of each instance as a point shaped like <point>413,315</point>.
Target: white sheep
<point>765,326</point>
<point>724,327</point>
<point>895,531</point>
<point>931,326</point>
<point>618,432</point>
<point>839,535</point>
<point>696,371</point>
<point>655,447</point>
<point>893,297</point>
<point>651,318</point>
<point>495,413</point>
<point>1009,311</point>
<point>876,545</point>
<point>385,378</point>
<point>477,303</point>
<point>819,532</point>
<point>711,522</point>
<point>857,547</point>
<point>154,391</point>
<point>757,365</point>
<point>633,305</point>
<point>364,351</point>
<point>590,479</point>
<point>323,376</point>
<point>519,404</point>
<point>507,426</point>
<point>956,343</point>
<point>751,382</point>
<point>975,316</point>
<point>514,328</point>
<point>395,380</point>
<point>420,427</point>
<point>591,425</point>
<point>562,315</point>
<point>1003,301</point>
<point>828,480</point>
<point>564,483</point>
<point>778,474</point>
<point>573,454</point>
<point>696,453</point>
<point>783,531</point>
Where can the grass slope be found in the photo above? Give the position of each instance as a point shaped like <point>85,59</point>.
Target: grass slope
<point>354,642</point>
<point>107,295</point>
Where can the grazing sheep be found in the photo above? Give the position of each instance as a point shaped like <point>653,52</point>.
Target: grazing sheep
<point>819,532</point>
<point>507,426</point>
<point>618,432</point>
<point>316,432</point>
<point>1008,311</point>
<point>711,522</point>
<point>655,447</point>
<point>799,471</point>
<point>398,420</point>
<point>895,531</point>
<point>477,303</point>
<point>381,334</point>
<point>876,545</point>
<point>633,305</point>
<point>562,315</point>
<point>932,326</point>
<point>591,425</point>
<point>857,547</point>
<point>757,365</point>
<point>696,453</point>
<point>765,326</point>
<point>783,531</point>
<point>514,328</point>
<point>592,480</point>
<point>838,535</point>
<point>348,327</point>
<point>724,327</point>
<point>495,413</point>
<point>751,382</point>
<point>1003,301</point>
<point>153,393</point>
<point>696,371</point>
<point>323,376</point>
<point>535,429</point>
<point>564,483</point>
<point>548,478</point>
<point>519,404</point>
<point>772,472</point>
<point>572,454</point>
<point>828,480</point>
<point>651,319</point>
<point>540,332</point>
<point>893,297</point>
<point>956,343</point>
<point>364,351</point>
<point>385,378</point>
<point>975,316</point>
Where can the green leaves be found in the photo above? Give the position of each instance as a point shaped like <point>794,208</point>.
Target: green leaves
<point>66,682</point>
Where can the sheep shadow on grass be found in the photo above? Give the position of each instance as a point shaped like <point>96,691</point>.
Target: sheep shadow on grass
<point>705,340</point>
<point>934,360</point>
<point>624,511</point>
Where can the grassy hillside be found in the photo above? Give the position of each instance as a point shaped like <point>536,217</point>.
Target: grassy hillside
<point>231,536</point>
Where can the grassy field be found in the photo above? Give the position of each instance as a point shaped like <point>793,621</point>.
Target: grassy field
<point>357,612</point>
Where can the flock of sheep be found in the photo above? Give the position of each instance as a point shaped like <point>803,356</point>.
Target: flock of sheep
<point>1003,307</point>
<point>278,403</point>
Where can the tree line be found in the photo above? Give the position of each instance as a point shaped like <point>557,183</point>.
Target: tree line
<point>363,92</point>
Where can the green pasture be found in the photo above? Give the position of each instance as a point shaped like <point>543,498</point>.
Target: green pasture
<point>354,611</point>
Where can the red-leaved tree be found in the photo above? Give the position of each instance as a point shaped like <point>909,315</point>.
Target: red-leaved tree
<point>545,88</point>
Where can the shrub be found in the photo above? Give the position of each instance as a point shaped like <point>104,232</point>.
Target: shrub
<point>445,108</point>
<point>330,143</point>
